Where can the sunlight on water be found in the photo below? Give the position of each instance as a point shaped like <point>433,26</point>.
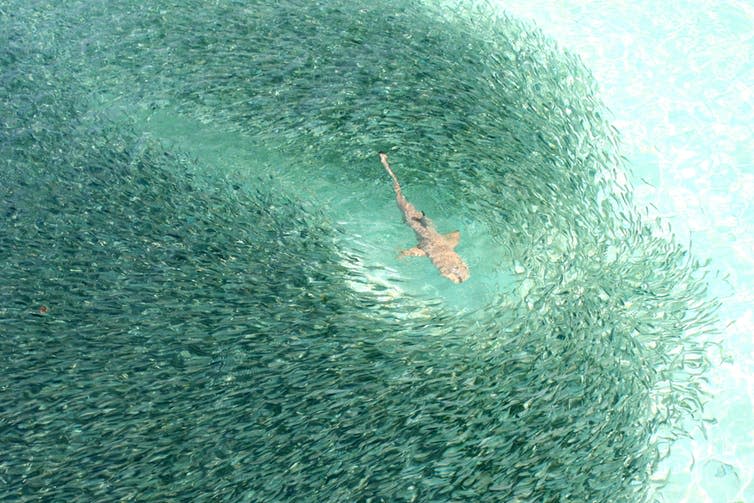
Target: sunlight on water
<point>202,297</point>
<point>677,79</point>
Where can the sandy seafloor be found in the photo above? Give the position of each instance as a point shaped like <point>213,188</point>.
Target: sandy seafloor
<point>678,77</point>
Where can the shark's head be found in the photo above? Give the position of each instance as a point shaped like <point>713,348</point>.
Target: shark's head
<point>455,269</point>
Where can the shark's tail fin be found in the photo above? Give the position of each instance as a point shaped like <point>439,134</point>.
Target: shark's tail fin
<point>383,160</point>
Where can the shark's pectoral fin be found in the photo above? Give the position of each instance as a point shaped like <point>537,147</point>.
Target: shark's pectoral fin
<point>413,252</point>
<point>453,238</point>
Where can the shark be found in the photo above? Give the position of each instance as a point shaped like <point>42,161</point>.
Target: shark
<point>439,248</point>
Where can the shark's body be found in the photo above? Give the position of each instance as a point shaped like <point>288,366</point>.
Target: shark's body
<point>439,248</point>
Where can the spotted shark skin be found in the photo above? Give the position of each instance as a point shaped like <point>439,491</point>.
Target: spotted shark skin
<point>439,248</point>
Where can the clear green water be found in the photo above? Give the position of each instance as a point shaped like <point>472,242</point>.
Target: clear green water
<point>192,192</point>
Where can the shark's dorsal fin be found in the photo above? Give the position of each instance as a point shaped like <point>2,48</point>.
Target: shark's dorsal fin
<point>453,238</point>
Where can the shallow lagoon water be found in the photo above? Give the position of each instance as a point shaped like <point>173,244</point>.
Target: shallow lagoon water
<point>193,194</point>
<point>676,78</point>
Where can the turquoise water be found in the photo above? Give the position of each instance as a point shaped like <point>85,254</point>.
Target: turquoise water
<point>677,77</point>
<point>201,297</point>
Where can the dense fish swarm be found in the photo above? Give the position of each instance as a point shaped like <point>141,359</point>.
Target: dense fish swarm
<point>171,334</point>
